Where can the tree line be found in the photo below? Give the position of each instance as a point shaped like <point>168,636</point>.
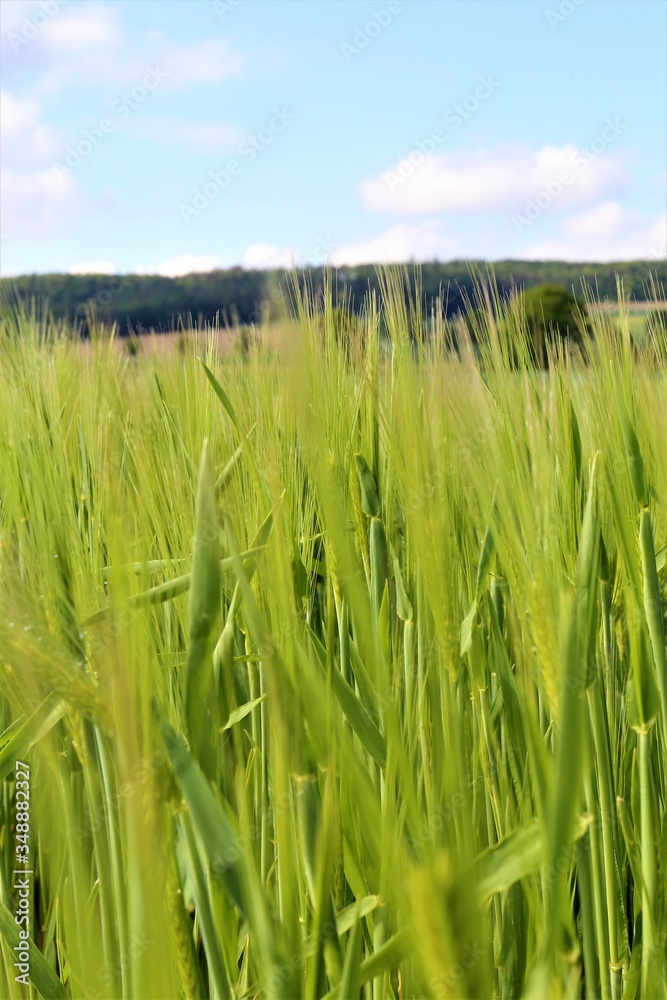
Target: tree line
<point>138,302</point>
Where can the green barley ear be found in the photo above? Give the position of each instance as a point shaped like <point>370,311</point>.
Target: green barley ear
<point>384,623</point>
<point>223,666</point>
<point>219,835</point>
<point>404,608</point>
<point>643,698</point>
<point>633,457</point>
<point>379,561</point>
<point>575,439</point>
<point>308,806</point>
<point>370,501</point>
<point>487,549</point>
<point>486,554</point>
<point>586,603</point>
<point>642,708</point>
<point>180,927</point>
<point>653,605</point>
<point>361,536</point>
<point>324,932</point>
<point>204,603</point>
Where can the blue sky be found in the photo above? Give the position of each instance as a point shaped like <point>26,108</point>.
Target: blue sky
<point>177,136</point>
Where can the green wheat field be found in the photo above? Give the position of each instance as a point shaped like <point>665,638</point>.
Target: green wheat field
<point>335,666</point>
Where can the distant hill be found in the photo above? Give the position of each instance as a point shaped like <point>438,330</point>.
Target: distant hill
<point>237,296</point>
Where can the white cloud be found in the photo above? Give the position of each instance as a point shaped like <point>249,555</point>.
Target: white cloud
<point>56,42</point>
<point>423,241</point>
<point>34,203</point>
<point>211,61</point>
<point>24,140</point>
<point>501,180</point>
<point>605,233</point>
<point>207,137</point>
<point>602,222</point>
<point>58,25</point>
<point>14,15</point>
<point>187,263</point>
<point>266,255</point>
<point>87,47</point>
<point>74,31</point>
<point>93,267</point>
<point>33,200</point>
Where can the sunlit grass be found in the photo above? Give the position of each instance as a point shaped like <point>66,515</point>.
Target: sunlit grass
<point>339,663</point>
